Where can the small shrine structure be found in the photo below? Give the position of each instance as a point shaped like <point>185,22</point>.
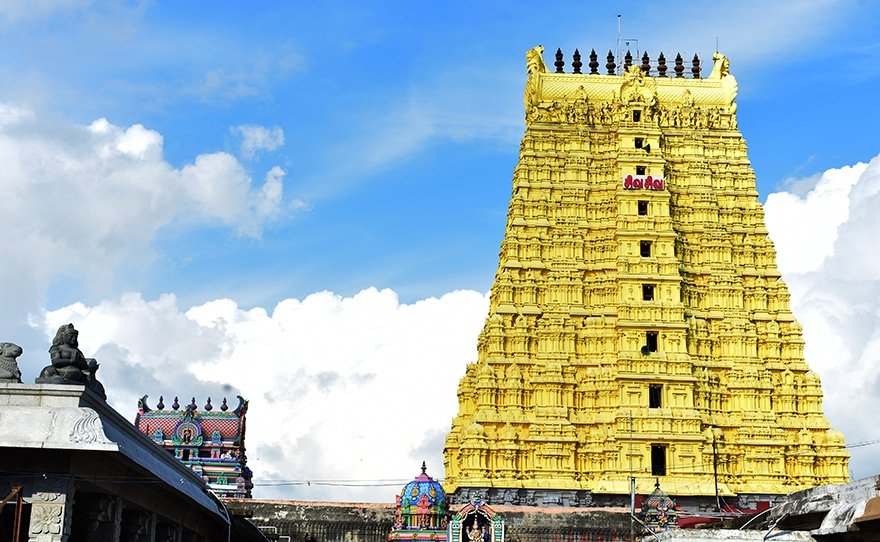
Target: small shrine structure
<point>421,511</point>
<point>209,441</point>
<point>476,522</point>
<point>659,511</point>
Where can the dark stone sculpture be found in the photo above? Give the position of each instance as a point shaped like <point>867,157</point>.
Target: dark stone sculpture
<point>9,371</point>
<point>69,366</point>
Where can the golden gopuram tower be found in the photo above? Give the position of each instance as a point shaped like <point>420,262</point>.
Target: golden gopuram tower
<point>638,326</point>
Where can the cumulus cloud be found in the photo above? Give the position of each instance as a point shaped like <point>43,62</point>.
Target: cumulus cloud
<point>80,202</point>
<point>355,389</point>
<point>89,196</point>
<point>258,138</point>
<point>806,226</point>
<point>826,240</point>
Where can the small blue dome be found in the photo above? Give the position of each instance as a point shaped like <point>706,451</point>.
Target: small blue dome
<point>423,485</point>
<point>421,506</point>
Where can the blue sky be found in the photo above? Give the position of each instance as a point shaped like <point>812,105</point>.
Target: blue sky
<point>172,169</point>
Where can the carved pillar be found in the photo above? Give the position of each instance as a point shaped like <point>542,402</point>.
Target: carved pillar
<point>51,509</point>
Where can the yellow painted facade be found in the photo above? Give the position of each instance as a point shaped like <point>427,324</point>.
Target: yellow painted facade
<point>638,324</point>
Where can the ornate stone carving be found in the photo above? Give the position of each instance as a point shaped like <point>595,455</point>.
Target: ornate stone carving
<point>69,366</point>
<point>534,65</point>
<point>721,71</point>
<point>50,489</point>
<point>47,519</point>
<point>535,60</point>
<point>9,371</point>
<point>89,429</point>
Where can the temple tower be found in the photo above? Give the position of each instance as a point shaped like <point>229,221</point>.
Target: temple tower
<point>208,441</point>
<point>638,326</point>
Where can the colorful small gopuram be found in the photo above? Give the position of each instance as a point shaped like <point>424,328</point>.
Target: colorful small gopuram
<point>638,327</point>
<point>659,511</point>
<point>422,511</point>
<point>209,441</point>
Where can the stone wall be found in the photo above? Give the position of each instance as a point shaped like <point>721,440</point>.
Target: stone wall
<point>299,521</point>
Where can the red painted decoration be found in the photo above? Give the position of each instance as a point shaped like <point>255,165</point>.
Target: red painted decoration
<point>643,182</point>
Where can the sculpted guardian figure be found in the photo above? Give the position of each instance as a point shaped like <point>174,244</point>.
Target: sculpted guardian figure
<point>9,371</point>
<point>69,365</point>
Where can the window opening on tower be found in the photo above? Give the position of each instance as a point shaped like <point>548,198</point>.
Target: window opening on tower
<point>637,115</point>
<point>640,170</point>
<point>655,393</point>
<point>639,141</point>
<point>643,207</point>
<point>645,249</point>
<point>658,460</point>
<point>647,292</point>
<point>651,341</point>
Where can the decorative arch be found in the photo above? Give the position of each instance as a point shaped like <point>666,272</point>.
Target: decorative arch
<point>476,522</point>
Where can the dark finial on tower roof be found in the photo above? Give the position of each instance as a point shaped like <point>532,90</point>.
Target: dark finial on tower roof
<point>696,69</point>
<point>576,63</point>
<point>661,65</point>
<point>161,404</point>
<point>424,468</point>
<point>175,405</point>
<point>679,66</point>
<point>224,407</point>
<point>646,64</point>
<point>610,65</point>
<point>208,406</point>
<point>192,404</point>
<point>594,62</point>
<point>627,60</point>
<point>559,62</point>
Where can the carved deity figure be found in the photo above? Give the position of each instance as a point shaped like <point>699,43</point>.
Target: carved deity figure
<point>69,365</point>
<point>9,371</point>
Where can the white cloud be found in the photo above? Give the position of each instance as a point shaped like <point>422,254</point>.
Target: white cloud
<point>82,202</point>
<point>340,388</point>
<point>92,196</point>
<point>806,227</point>
<point>827,240</point>
<point>258,138</point>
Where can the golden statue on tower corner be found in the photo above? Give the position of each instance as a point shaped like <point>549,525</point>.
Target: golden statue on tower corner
<point>639,331</point>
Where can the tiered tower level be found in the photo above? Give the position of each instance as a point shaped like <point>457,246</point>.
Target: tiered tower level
<point>638,325</point>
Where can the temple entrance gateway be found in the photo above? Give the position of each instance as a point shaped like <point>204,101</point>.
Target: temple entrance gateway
<point>476,522</point>
<point>638,326</point>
